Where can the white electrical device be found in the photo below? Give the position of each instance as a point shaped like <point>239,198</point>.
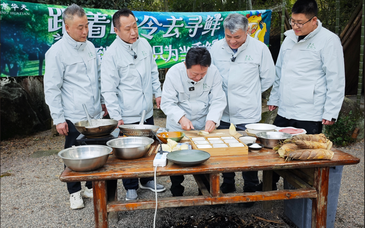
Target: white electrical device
<point>160,159</point>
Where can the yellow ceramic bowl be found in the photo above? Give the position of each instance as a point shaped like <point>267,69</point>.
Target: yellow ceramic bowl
<point>173,135</point>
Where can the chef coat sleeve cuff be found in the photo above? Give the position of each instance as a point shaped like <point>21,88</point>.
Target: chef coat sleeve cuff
<point>178,116</point>
<point>158,94</point>
<point>58,121</point>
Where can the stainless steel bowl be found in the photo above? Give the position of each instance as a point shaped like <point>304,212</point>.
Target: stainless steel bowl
<point>85,158</point>
<point>99,127</point>
<point>130,147</point>
<point>271,139</point>
<point>138,130</point>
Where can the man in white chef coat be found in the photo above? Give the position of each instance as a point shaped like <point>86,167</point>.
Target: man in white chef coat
<point>192,98</point>
<point>129,79</point>
<point>247,70</point>
<point>70,80</point>
<point>310,75</point>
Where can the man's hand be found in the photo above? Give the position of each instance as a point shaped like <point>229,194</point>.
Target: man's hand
<point>186,124</point>
<point>272,107</point>
<point>120,122</point>
<point>209,126</point>
<point>103,107</point>
<point>62,128</point>
<point>158,102</point>
<point>327,122</point>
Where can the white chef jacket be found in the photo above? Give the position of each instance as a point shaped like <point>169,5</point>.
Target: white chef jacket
<point>205,102</point>
<point>128,84</point>
<point>72,79</point>
<point>310,76</point>
<point>244,79</point>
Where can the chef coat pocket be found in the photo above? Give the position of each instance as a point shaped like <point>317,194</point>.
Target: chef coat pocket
<point>182,96</point>
<point>123,72</point>
<point>204,96</point>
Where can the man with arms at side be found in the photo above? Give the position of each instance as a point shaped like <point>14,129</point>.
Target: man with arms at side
<point>247,70</point>
<point>192,98</point>
<point>310,76</point>
<point>70,80</point>
<point>129,79</point>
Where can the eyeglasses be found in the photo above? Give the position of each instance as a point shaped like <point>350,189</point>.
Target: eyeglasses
<point>299,25</point>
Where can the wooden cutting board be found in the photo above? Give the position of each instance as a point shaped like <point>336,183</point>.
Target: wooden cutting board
<point>216,151</point>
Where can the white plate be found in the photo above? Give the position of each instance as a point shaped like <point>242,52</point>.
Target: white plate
<point>254,132</point>
<point>259,127</point>
<point>304,131</point>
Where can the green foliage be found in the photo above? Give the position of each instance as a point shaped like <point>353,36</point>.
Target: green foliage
<point>340,133</point>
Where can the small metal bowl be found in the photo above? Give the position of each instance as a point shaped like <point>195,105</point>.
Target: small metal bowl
<point>130,147</point>
<point>173,135</point>
<point>255,148</point>
<point>271,139</point>
<point>85,158</point>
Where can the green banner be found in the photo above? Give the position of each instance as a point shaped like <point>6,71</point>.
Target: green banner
<point>28,30</point>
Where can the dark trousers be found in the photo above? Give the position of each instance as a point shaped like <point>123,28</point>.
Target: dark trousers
<point>250,177</point>
<point>312,127</point>
<point>133,183</point>
<point>70,140</point>
<point>177,189</point>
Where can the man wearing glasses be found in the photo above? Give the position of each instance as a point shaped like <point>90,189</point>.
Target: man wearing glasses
<point>310,76</point>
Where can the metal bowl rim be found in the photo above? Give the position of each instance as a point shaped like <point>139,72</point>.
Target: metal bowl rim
<point>124,138</point>
<point>64,150</point>
<point>285,135</point>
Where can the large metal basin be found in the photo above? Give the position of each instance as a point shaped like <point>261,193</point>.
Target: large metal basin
<point>130,147</point>
<point>85,158</point>
<point>138,130</point>
<point>271,139</point>
<point>99,127</point>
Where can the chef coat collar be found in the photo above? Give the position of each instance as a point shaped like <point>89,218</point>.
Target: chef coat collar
<point>74,44</point>
<point>291,34</point>
<point>131,48</point>
<point>239,49</point>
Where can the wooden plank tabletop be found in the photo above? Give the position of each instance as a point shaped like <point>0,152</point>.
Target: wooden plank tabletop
<point>265,159</point>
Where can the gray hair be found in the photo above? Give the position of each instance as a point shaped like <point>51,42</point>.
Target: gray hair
<point>70,12</point>
<point>234,22</point>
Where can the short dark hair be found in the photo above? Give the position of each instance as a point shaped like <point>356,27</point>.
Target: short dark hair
<point>121,13</point>
<point>198,56</point>
<point>72,10</point>
<point>308,7</point>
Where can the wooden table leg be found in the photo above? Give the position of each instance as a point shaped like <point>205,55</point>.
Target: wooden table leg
<point>267,186</point>
<point>319,204</point>
<point>100,201</point>
<point>214,184</point>
<point>112,195</point>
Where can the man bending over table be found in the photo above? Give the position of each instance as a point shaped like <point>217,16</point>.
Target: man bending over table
<point>192,99</point>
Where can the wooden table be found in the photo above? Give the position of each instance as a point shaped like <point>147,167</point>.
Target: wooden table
<point>310,178</point>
